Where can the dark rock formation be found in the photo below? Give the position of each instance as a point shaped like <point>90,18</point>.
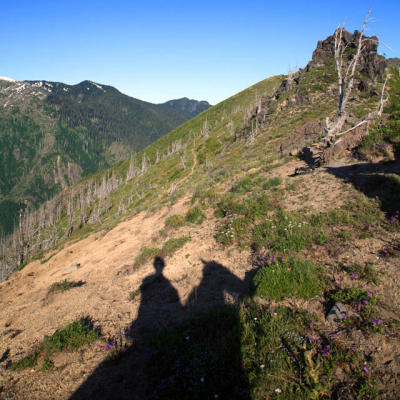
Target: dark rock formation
<point>306,134</point>
<point>371,64</point>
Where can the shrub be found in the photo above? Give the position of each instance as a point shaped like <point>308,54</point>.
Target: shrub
<point>73,336</point>
<point>175,221</point>
<point>64,285</point>
<point>195,216</point>
<point>168,249</point>
<point>174,244</point>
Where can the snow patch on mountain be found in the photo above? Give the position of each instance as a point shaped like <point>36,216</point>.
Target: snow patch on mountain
<point>4,78</point>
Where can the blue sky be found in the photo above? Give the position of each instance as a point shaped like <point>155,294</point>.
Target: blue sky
<point>160,50</point>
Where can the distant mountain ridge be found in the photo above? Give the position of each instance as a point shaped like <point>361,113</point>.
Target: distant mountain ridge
<point>189,107</point>
<point>53,134</point>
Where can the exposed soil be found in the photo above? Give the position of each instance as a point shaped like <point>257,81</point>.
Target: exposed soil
<point>106,266</point>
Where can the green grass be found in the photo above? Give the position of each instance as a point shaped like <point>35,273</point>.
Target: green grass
<point>64,285</point>
<point>47,365</point>
<point>257,221</point>
<point>366,271</point>
<point>245,185</point>
<point>287,232</point>
<point>364,303</point>
<point>72,337</point>
<point>293,278</point>
<point>251,351</point>
<point>272,182</point>
<point>175,221</point>
<point>28,361</point>
<point>195,216</point>
<point>167,250</point>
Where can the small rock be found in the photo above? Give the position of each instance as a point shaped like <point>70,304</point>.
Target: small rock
<point>337,313</point>
<point>73,268</point>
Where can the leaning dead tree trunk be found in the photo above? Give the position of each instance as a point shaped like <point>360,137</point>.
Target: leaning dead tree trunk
<point>345,76</point>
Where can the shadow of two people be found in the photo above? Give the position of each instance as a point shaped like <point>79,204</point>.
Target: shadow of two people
<point>183,351</point>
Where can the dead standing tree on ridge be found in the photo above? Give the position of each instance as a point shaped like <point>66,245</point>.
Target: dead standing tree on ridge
<point>346,68</point>
<point>345,76</point>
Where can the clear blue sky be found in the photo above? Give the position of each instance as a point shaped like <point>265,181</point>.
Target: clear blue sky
<point>160,50</point>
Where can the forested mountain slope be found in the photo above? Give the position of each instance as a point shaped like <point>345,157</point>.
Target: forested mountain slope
<point>53,134</point>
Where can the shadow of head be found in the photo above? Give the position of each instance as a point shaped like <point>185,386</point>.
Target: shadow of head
<point>159,264</point>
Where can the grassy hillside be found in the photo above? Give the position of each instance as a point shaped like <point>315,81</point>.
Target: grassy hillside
<point>52,135</point>
<point>220,185</point>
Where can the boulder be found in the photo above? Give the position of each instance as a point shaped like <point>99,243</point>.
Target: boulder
<point>337,313</point>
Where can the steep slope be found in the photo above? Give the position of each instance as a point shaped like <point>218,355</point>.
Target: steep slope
<point>54,134</point>
<point>193,221</point>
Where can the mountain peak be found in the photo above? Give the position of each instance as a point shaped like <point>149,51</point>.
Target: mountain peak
<point>370,62</point>
<point>189,106</point>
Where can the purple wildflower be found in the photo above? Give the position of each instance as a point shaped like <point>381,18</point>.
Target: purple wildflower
<point>340,279</point>
<point>334,335</point>
<point>376,321</point>
<point>354,276</point>
<point>365,301</point>
<point>370,227</point>
<point>365,369</point>
<point>369,294</point>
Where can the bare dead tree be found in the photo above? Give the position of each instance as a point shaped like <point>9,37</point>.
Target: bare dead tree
<point>382,99</point>
<point>345,77</point>
<point>132,170</point>
<point>172,189</point>
<point>144,163</point>
<point>205,131</point>
<point>253,133</point>
<point>183,160</point>
<point>231,128</point>
<point>290,77</point>
<point>121,208</point>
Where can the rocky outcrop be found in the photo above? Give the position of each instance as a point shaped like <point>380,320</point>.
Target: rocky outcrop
<point>306,134</point>
<point>319,154</point>
<point>371,64</point>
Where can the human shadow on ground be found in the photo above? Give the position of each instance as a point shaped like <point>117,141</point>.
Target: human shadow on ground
<point>190,351</point>
<point>376,180</point>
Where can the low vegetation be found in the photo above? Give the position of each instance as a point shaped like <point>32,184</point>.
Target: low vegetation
<point>293,278</point>
<point>72,337</point>
<point>64,286</point>
<point>168,249</point>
